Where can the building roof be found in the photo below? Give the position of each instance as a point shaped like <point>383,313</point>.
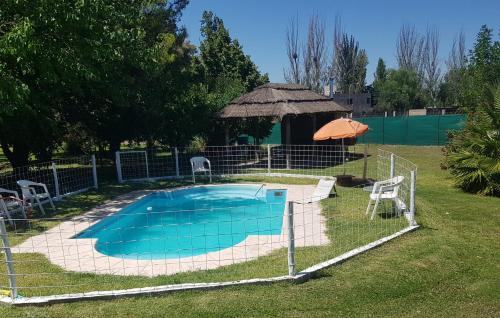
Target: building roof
<point>279,100</point>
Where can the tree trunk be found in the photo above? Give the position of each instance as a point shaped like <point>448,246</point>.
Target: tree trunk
<point>18,156</point>
<point>114,146</point>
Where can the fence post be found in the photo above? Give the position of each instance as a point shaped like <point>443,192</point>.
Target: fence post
<point>413,187</point>
<point>365,161</point>
<point>118,167</point>
<point>393,159</point>
<point>8,259</point>
<point>147,165</point>
<point>94,171</point>
<point>291,241</point>
<point>268,159</point>
<point>176,152</point>
<point>56,181</point>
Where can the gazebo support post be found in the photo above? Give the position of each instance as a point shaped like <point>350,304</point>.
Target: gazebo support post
<point>314,126</point>
<point>288,140</point>
<point>226,134</point>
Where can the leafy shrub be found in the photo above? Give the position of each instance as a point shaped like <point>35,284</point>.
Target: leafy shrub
<point>474,153</point>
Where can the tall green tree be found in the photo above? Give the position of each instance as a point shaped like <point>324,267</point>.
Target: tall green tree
<point>349,65</point>
<point>483,71</point>
<point>91,64</point>
<point>228,72</point>
<point>379,78</point>
<point>381,71</point>
<point>400,91</point>
<point>223,56</point>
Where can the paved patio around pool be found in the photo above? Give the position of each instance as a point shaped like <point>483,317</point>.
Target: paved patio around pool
<point>80,255</point>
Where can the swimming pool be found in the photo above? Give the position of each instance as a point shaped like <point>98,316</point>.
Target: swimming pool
<point>189,222</point>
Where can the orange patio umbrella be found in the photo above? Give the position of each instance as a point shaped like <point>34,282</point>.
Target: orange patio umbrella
<point>340,129</point>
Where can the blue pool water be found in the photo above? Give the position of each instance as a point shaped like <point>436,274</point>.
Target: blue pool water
<point>189,222</point>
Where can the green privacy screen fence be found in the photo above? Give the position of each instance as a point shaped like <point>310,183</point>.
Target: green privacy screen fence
<point>403,130</point>
<point>410,130</point>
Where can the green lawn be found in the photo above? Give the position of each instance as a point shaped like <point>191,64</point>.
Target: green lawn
<point>450,267</point>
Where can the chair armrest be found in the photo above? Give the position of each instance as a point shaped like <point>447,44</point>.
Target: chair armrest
<point>32,190</point>
<point>44,187</point>
<point>11,192</point>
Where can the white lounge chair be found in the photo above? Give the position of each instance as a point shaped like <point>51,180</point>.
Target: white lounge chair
<point>10,204</point>
<point>35,198</point>
<point>386,190</point>
<point>198,165</point>
<point>322,190</point>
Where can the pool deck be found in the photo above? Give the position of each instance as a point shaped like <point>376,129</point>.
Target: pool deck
<point>79,255</point>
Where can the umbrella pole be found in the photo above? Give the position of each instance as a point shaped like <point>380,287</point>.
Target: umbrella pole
<point>343,155</point>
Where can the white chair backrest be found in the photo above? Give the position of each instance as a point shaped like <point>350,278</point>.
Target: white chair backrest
<point>390,185</point>
<point>25,187</point>
<point>198,163</point>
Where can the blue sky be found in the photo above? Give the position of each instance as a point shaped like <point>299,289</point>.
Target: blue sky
<point>260,26</point>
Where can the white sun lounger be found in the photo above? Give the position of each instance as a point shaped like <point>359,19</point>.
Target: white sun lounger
<point>322,190</point>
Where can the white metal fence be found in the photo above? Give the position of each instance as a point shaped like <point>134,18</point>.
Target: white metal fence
<point>63,177</point>
<point>161,248</point>
<point>311,160</point>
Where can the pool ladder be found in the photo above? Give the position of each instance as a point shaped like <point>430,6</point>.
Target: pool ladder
<point>261,187</point>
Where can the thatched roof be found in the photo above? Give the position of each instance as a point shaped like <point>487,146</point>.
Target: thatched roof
<point>279,100</point>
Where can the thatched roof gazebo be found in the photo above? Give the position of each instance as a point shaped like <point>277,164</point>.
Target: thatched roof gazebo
<point>298,109</point>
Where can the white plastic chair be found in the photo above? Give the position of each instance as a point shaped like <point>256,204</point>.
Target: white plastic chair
<point>385,190</point>
<point>11,204</point>
<point>198,165</point>
<point>322,190</point>
<point>30,194</point>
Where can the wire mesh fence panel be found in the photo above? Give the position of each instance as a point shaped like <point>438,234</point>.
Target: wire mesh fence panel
<point>40,172</point>
<point>216,233</point>
<point>226,160</point>
<point>161,162</point>
<point>71,174</point>
<point>74,174</point>
<point>158,236</point>
<point>134,165</point>
<point>313,160</point>
<point>390,165</point>
<point>342,224</point>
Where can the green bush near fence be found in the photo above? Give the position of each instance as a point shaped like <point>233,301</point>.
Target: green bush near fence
<point>411,130</point>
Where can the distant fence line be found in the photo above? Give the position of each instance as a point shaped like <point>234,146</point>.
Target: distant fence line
<point>399,129</point>
<point>411,130</point>
<point>62,177</point>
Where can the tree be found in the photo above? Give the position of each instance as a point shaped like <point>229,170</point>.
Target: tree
<point>449,90</point>
<point>91,65</point>
<point>400,91</point>
<point>431,69</point>
<point>483,71</point>
<point>409,49</point>
<point>381,71</point>
<point>294,73</point>
<point>379,76</point>
<point>349,65</point>
<point>474,152</point>
<point>315,69</point>
<point>222,56</point>
<point>228,73</point>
